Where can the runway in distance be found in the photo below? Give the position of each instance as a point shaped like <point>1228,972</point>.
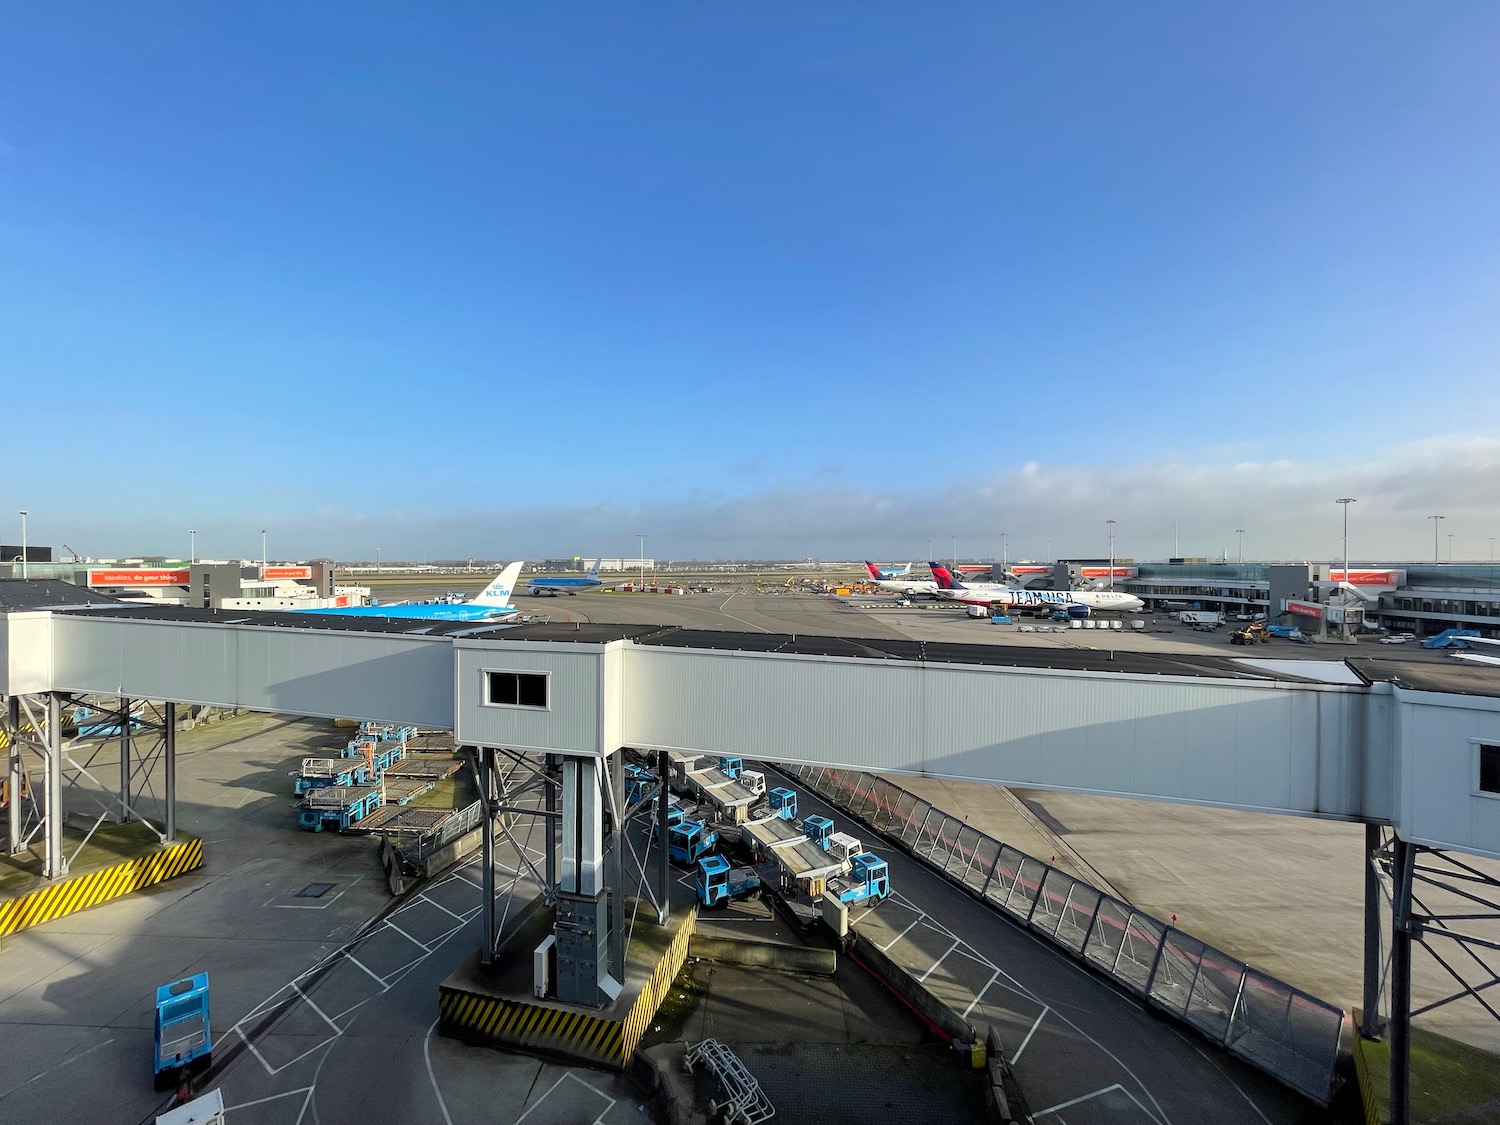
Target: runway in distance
<point>984,593</point>
<point>550,587</point>
<point>490,604</point>
<point>897,586</point>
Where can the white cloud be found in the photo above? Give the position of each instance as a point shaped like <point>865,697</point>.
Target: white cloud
<point>1286,508</point>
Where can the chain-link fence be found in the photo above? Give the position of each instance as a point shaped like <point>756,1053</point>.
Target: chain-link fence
<point>1281,1030</point>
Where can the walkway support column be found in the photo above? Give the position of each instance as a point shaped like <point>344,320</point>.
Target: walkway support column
<point>16,774</point>
<point>125,804</point>
<point>582,926</point>
<point>1371,1025</point>
<point>664,868</point>
<point>615,765</point>
<point>487,851</point>
<point>549,794</point>
<point>1401,934</point>
<point>54,862</point>
<point>169,757</point>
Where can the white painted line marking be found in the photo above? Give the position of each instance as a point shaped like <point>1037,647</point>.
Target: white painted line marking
<point>367,969</point>
<point>884,948</point>
<point>408,936</point>
<point>1076,1101</point>
<point>305,1091</point>
<point>308,1000</point>
<point>938,962</point>
<point>444,909</point>
<point>432,1077</point>
<point>1035,1024</point>
<point>978,996</point>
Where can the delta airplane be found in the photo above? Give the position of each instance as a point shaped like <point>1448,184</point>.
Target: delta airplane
<point>1476,657</point>
<point>983,593</point>
<point>551,587</point>
<point>906,589</point>
<point>490,604</point>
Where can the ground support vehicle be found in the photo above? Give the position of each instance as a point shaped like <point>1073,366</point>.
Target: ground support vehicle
<point>801,862</point>
<point>387,732</point>
<point>1253,634</point>
<point>718,881</point>
<point>337,807</point>
<point>1201,617</point>
<point>690,841</point>
<point>780,804</point>
<point>318,773</point>
<point>818,829</point>
<point>183,1037</point>
<point>1450,638</point>
<point>1285,632</point>
<point>868,881</point>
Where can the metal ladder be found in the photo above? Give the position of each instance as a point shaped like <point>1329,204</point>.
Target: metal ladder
<point>744,1102</point>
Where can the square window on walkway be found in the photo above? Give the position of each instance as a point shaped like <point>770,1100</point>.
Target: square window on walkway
<point>1489,769</point>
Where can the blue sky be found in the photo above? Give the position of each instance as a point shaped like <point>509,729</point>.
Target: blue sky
<point>757,280</point>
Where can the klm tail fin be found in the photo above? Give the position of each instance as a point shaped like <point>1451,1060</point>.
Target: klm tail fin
<point>498,591</point>
<point>945,578</point>
<point>903,572</point>
<point>593,570</point>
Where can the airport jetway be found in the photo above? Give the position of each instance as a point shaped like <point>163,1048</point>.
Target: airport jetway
<point>1403,752</point>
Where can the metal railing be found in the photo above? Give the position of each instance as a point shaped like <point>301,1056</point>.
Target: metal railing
<point>462,823</point>
<point>1290,1034</point>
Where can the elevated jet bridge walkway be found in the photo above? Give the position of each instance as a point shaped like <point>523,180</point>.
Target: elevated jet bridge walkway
<point>1407,745</point>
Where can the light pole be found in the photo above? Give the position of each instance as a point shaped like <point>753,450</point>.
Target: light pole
<point>929,549</point>
<point>1240,531</point>
<point>642,538</point>
<point>192,546</point>
<point>263,553</point>
<point>377,558</point>
<point>1344,503</point>
<point>24,571</point>
<point>1435,520</point>
<point>1111,524</point>
<point>1492,548</point>
<point>1450,546</point>
<point>955,554</point>
<point>1005,556</point>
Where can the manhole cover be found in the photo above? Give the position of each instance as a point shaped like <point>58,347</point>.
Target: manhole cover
<point>314,890</point>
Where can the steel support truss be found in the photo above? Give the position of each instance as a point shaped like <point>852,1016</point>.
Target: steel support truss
<point>513,786</point>
<point>1439,901</point>
<point>118,763</point>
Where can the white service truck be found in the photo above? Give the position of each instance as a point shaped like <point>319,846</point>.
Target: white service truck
<point>1200,617</point>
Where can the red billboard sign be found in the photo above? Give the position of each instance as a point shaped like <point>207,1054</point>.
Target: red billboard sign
<point>1391,578</point>
<point>287,572</point>
<point>146,576</point>
<point>1304,609</point>
<point>1019,570</point>
<point>1104,572</point>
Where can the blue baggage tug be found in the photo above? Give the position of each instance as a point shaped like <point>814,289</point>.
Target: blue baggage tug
<point>183,1038</point>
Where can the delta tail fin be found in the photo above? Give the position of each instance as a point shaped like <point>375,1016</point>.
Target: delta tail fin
<point>945,577</point>
<point>873,569</point>
<point>498,591</point>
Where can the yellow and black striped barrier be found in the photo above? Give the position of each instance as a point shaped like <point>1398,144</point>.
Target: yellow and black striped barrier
<point>78,892</point>
<point>540,1026</point>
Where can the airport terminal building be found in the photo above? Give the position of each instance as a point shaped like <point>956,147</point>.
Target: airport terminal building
<point>1420,598</point>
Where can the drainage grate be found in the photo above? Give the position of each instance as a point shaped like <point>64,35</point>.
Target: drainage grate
<point>315,890</point>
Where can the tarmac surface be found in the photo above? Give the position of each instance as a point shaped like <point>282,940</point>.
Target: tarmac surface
<point>1283,893</point>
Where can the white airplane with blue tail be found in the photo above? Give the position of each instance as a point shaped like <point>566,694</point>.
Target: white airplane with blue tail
<point>490,604</point>
<point>547,586</point>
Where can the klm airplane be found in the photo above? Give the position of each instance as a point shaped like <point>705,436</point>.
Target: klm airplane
<point>547,587</point>
<point>490,604</point>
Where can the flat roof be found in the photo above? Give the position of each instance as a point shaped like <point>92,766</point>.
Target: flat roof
<point>1458,677</point>
<point>48,593</point>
